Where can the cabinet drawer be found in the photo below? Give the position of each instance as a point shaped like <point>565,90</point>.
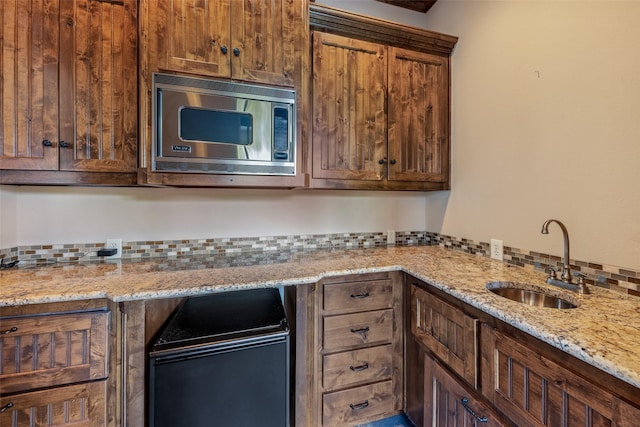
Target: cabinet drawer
<point>352,406</point>
<point>358,296</point>
<point>52,350</point>
<point>447,331</point>
<point>352,330</point>
<point>74,405</point>
<point>358,366</point>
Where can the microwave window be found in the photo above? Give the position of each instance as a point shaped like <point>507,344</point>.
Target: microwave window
<point>227,127</point>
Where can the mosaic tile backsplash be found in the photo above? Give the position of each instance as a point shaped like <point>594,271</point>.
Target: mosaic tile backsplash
<point>611,277</point>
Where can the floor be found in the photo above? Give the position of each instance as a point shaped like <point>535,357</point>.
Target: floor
<point>395,421</point>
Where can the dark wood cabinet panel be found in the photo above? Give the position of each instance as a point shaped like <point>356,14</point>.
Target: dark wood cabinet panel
<point>69,92</point>
<point>349,114</point>
<point>536,391</point>
<point>75,405</point>
<point>448,332</point>
<point>418,116</point>
<point>448,402</point>
<point>380,110</point>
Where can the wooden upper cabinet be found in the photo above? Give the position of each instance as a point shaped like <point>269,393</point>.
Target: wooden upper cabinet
<point>29,86</point>
<point>349,118</point>
<point>98,86</point>
<point>193,36</point>
<point>251,40</point>
<point>380,104</point>
<point>418,116</point>
<point>266,33</point>
<point>69,87</point>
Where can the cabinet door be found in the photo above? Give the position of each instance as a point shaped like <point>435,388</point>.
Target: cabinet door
<point>76,405</point>
<point>447,331</point>
<point>418,116</point>
<point>349,117</point>
<point>447,401</point>
<point>535,391</point>
<point>193,35</point>
<point>29,84</point>
<point>98,86</point>
<point>264,35</point>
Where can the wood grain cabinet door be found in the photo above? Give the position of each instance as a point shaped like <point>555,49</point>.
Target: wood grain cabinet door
<point>447,332</point>
<point>29,40</point>
<point>448,402</point>
<point>418,116</point>
<point>81,405</point>
<point>349,114</point>
<point>535,391</point>
<point>47,351</point>
<point>264,34</point>
<point>193,35</point>
<point>98,86</point>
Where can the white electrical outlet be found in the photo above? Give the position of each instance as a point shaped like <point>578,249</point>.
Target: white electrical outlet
<point>391,237</point>
<point>497,249</point>
<point>114,244</point>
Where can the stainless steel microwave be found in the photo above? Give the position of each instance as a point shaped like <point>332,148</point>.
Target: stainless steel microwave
<point>213,126</point>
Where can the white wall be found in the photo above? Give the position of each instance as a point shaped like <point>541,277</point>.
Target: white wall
<point>8,218</point>
<point>545,123</point>
<point>85,215</point>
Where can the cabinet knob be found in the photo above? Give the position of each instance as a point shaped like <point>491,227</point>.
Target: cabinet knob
<point>64,144</point>
<point>236,51</point>
<point>224,49</point>
<point>47,143</point>
<point>393,162</point>
<point>381,161</point>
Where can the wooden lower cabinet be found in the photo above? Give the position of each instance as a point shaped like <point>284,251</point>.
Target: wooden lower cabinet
<point>449,402</point>
<point>352,372</point>
<point>536,391</point>
<point>55,365</point>
<point>520,381</point>
<point>81,405</point>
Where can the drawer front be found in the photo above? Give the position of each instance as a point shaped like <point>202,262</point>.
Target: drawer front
<point>74,405</point>
<point>353,406</point>
<point>43,351</point>
<point>353,330</point>
<point>447,331</point>
<point>358,296</point>
<point>358,366</point>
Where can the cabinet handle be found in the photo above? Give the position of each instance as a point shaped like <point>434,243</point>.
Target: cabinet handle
<point>5,407</point>
<point>224,49</point>
<point>236,51</point>
<point>64,144</point>
<point>361,330</point>
<point>9,331</point>
<point>359,406</point>
<point>365,295</point>
<point>393,162</point>
<point>47,143</point>
<point>382,161</point>
<point>464,402</point>
<point>362,367</point>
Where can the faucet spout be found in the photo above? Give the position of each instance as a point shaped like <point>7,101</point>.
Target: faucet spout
<point>566,269</point>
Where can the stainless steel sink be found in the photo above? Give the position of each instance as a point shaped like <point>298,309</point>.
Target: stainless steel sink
<point>533,297</point>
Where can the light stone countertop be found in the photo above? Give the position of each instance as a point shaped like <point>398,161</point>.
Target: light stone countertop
<point>603,331</point>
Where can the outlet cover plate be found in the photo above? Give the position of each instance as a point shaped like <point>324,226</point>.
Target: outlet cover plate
<point>497,249</point>
<point>114,244</point>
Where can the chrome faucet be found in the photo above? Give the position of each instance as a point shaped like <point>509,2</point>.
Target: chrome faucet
<point>565,278</point>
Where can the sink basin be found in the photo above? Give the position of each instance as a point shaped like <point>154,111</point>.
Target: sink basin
<point>533,297</point>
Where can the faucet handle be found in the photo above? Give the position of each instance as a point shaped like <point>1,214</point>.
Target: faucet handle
<point>582,287</point>
<point>553,273</point>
